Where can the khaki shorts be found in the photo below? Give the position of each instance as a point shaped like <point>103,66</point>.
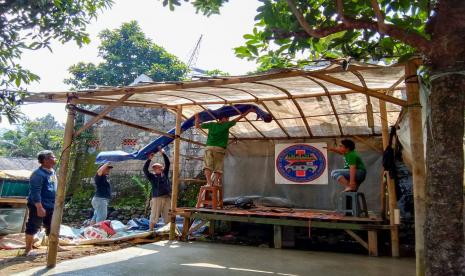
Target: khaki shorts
<point>213,158</point>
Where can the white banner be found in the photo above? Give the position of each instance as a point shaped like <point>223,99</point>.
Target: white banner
<point>302,164</point>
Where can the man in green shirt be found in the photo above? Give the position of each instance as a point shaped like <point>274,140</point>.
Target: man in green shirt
<point>217,141</point>
<point>354,171</point>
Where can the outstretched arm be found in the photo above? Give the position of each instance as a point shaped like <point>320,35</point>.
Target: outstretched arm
<point>147,164</point>
<point>166,168</point>
<point>335,150</point>
<point>102,169</point>
<point>197,120</point>
<point>242,115</point>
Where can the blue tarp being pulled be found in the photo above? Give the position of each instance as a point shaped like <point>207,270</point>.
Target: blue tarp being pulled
<point>163,141</point>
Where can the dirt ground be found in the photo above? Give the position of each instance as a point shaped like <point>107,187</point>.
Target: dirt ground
<point>13,261</point>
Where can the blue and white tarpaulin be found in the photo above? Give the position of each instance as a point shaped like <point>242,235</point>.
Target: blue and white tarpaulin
<point>163,141</point>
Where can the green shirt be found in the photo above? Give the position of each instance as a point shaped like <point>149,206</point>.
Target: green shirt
<point>352,158</point>
<point>218,133</point>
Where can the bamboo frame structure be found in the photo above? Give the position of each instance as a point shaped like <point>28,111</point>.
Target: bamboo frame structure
<point>106,97</point>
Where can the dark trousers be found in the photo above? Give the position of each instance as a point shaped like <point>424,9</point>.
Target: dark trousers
<point>34,222</point>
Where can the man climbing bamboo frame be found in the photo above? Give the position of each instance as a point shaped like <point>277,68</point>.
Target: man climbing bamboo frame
<point>217,141</point>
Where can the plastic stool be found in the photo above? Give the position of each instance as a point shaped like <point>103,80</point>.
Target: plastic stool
<point>216,197</point>
<point>353,204</point>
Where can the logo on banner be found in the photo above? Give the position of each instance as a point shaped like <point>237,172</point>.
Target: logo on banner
<point>301,163</point>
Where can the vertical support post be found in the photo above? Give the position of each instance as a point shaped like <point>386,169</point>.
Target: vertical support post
<point>390,184</point>
<point>61,189</point>
<point>373,243</point>
<point>175,184</point>
<point>278,236</point>
<point>418,155</point>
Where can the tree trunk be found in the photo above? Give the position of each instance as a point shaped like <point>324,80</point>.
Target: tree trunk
<point>444,232</point>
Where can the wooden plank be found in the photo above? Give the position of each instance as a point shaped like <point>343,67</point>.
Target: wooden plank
<point>277,236</point>
<point>61,190</point>
<point>290,222</point>
<point>185,228</point>
<point>361,89</point>
<point>308,137</point>
<point>104,112</point>
<point>357,238</point>
<point>175,184</point>
<point>373,243</point>
<point>11,200</point>
<point>418,172</point>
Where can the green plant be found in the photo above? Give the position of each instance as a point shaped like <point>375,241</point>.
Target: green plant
<point>146,188</point>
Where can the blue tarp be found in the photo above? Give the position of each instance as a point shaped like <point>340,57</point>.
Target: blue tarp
<point>163,141</point>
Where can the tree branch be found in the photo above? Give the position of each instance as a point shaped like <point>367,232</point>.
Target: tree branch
<point>379,15</point>
<point>415,40</point>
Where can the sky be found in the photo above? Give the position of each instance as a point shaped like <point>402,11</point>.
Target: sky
<point>176,31</point>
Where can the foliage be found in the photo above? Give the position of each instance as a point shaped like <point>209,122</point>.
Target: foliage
<point>188,195</point>
<point>146,188</point>
<point>127,53</point>
<point>30,25</point>
<point>32,136</point>
<point>278,40</point>
<point>216,72</point>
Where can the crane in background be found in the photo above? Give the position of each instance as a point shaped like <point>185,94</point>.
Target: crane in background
<point>194,72</point>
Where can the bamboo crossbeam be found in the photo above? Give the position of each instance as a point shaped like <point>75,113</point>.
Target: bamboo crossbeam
<point>361,89</point>
<point>369,106</point>
<point>192,157</point>
<point>129,124</point>
<point>104,112</point>
<point>307,137</point>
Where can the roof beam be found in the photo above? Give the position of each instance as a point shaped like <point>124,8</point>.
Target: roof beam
<point>235,108</point>
<point>129,124</point>
<point>309,131</point>
<point>333,107</point>
<point>274,118</point>
<point>102,114</point>
<point>369,107</point>
<point>360,89</point>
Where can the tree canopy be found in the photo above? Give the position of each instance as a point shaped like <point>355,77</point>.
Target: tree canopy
<point>32,136</point>
<point>31,25</point>
<point>127,53</point>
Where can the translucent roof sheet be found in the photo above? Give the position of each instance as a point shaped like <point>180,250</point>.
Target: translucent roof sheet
<point>303,103</point>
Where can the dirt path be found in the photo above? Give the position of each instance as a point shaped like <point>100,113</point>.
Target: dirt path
<point>12,261</point>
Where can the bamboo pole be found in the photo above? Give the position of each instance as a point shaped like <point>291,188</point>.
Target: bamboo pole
<point>418,155</point>
<point>107,110</point>
<point>392,197</point>
<point>361,89</point>
<point>129,124</point>
<point>175,185</point>
<point>61,190</point>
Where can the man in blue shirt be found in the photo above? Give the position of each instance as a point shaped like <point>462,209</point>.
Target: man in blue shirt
<point>161,189</point>
<point>41,199</point>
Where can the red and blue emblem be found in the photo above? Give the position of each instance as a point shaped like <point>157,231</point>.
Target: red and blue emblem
<point>301,163</point>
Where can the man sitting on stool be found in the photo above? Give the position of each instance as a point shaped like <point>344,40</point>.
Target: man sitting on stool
<point>354,171</point>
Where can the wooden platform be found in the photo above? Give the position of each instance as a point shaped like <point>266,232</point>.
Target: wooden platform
<point>279,217</point>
